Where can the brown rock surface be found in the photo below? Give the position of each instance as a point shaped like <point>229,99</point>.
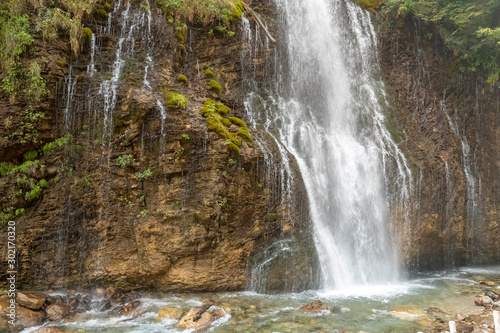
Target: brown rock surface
<point>313,307</point>
<point>31,300</point>
<point>169,313</point>
<point>48,330</point>
<point>57,311</point>
<point>187,322</point>
<point>29,318</point>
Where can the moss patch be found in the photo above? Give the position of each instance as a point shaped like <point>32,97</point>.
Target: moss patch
<point>215,86</point>
<point>88,33</point>
<point>209,73</point>
<point>215,114</point>
<point>176,101</point>
<point>183,79</point>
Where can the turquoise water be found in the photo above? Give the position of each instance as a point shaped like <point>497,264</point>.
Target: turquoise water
<point>365,309</point>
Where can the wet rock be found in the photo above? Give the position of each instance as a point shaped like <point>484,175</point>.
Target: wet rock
<point>404,313</point>
<point>74,303</point>
<point>487,283</point>
<point>218,313</point>
<point>28,318</point>
<point>31,300</point>
<point>109,292</point>
<point>425,322</point>
<point>48,330</point>
<point>57,311</point>
<point>313,307</point>
<point>459,317</point>
<point>434,310</point>
<point>188,322</point>
<point>483,301</point>
<point>492,295</point>
<point>54,299</point>
<point>464,328</point>
<point>169,313</point>
<point>99,292</point>
<point>130,308</point>
<point>103,305</point>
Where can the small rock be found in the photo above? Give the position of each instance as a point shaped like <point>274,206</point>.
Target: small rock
<point>464,328</point>
<point>313,307</point>
<point>131,307</point>
<point>459,317</point>
<point>487,283</point>
<point>483,301</point>
<point>169,313</point>
<point>109,292</point>
<point>28,318</point>
<point>99,292</point>
<point>218,313</point>
<point>57,311</point>
<point>48,330</point>
<point>492,295</point>
<point>102,306</point>
<point>187,322</point>
<point>31,300</point>
<point>53,299</point>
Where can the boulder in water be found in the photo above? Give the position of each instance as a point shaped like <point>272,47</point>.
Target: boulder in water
<point>57,311</point>
<point>169,313</point>
<point>31,300</point>
<point>313,307</point>
<point>102,306</point>
<point>464,328</point>
<point>130,308</point>
<point>188,322</point>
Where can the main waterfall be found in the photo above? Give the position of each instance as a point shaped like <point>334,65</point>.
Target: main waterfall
<point>326,106</point>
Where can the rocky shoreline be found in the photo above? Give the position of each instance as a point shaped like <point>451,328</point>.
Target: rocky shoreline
<point>55,310</point>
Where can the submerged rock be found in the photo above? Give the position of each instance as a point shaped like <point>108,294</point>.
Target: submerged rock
<point>218,313</point>
<point>169,313</point>
<point>405,313</point>
<point>57,311</point>
<point>487,283</point>
<point>188,322</point>
<point>48,330</point>
<point>313,307</point>
<point>31,300</point>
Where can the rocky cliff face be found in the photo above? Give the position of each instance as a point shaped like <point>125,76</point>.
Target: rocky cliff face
<point>447,124</point>
<point>140,194</point>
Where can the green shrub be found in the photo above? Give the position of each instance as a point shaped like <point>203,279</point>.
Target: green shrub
<point>144,175</point>
<point>49,148</point>
<point>176,101</point>
<point>125,161</point>
<point>6,168</point>
<point>43,183</point>
<point>30,155</point>
<point>215,86</point>
<point>34,193</point>
<point>183,79</point>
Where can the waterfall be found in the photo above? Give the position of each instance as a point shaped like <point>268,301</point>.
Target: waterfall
<point>326,106</point>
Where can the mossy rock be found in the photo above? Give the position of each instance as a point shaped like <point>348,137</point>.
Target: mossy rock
<point>176,101</point>
<point>370,5</point>
<point>232,148</point>
<point>205,67</point>
<point>183,79</point>
<point>88,33</point>
<point>209,73</point>
<point>215,86</point>
<point>101,14</point>
<point>239,8</point>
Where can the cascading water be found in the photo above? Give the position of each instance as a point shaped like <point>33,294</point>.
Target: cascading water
<point>326,107</point>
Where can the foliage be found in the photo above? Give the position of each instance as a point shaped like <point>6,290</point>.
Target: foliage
<point>30,155</point>
<point>202,12</point>
<point>9,214</point>
<point>185,137</point>
<point>176,101</point>
<point>144,175</point>
<point>467,26</point>
<point>34,193</point>
<point>49,148</point>
<point>143,213</point>
<point>125,161</point>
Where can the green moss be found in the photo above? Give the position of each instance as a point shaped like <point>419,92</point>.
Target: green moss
<point>183,79</point>
<point>205,67</point>
<point>34,193</point>
<point>9,214</point>
<point>237,122</point>
<point>239,8</point>
<point>222,109</point>
<point>48,148</point>
<point>59,63</point>
<point>209,73</point>
<point>5,168</point>
<point>176,101</point>
<point>226,122</point>
<point>43,183</point>
<point>101,14</point>
<point>370,5</point>
<point>232,148</point>
<point>243,132</point>
<point>30,155</point>
<point>107,7</point>
<point>215,86</point>
<point>88,33</point>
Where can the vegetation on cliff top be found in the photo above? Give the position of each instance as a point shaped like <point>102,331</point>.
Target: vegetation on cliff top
<point>469,29</point>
